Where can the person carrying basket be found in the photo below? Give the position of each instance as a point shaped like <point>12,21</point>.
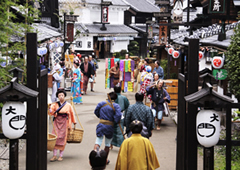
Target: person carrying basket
<point>63,119</point>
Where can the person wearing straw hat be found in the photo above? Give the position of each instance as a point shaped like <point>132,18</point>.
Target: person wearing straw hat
<point>108,113</point>
<point>63,120</point>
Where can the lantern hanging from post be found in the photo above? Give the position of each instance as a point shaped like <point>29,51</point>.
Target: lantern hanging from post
<point>170,51</point>
<point>200,55</point>
<point>217,62</point>
<point>208,128</point>
<point>13,119</point>
<point>175,54</point>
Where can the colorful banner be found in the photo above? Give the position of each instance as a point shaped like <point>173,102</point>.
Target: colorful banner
<point>121,65</point>
<point>126,65</point>
<point>130,86</point>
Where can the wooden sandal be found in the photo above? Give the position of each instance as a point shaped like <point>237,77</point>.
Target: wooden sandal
<point>53,159</point>
<point>158,127</point>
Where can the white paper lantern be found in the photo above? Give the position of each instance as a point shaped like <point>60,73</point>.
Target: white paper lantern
<point>217,62</point>
<point>61,44</point>
<point>208,128</point>
<point>39,51</point>
<point>175,54</point>
<point>170,51</point>
<point>56,45</point>
<point>200,55</point>
<point>13,119</point>
<point>44,50</point>
<point>51,46</point>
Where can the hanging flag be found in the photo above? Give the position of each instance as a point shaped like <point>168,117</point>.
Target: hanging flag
<point>177,12</point>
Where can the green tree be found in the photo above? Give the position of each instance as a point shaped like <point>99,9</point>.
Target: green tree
<point>133,48</point>
<point>232,63</point>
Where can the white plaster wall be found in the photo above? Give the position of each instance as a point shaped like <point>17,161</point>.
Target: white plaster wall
<point>117,46</point>
<point>85,41</point>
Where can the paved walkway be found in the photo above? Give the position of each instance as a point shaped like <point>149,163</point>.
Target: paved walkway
<point>76,155</point>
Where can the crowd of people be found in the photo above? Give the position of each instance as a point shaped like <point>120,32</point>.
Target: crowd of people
<point>118,119</point>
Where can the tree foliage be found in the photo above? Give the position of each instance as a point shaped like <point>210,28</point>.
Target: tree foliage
<point>133,48</point>
<point>233,63</point>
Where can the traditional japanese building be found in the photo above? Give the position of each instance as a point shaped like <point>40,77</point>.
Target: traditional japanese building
<point>136,16</point>
<point>93,36</point>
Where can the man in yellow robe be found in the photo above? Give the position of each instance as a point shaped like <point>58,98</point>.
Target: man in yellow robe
<point>136,152</point>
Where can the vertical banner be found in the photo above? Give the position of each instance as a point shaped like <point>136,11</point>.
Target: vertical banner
<point>104,14</point>
<point>163,37</point>
<point>70,31</point>
<point>217,7</point>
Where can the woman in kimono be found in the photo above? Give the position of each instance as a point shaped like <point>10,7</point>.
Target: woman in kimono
<point>76,84</point>
<point>159,96</point>
<point>115,73</point>
<point>64,117</point>
<point>146,79</point>
<point>56,79</point>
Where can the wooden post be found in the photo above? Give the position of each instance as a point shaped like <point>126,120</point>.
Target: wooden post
<point>191,141</point>
<point>208,156</point>
<point>32,122</point>
<point>13,152</point>
<point>181,123</point>
<point>228,137</point>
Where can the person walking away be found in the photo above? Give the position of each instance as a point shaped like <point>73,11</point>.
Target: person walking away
<point>61,71</point>
<point>63,120</point>
<point>115,73</point>
<point>146,79</point>
<point>141,112</point>
<point>56,79</point>
<point>76,87</point>
<point>108,113</point>
<point>158,70</point>
<point>123,103</point>
<point>98,159</point>
<point>136,152</point>
<point>86,69</point>
<point>159,96</point>
<point>91,80</point>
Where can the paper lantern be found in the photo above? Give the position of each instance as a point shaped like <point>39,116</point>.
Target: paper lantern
<point>175,54</point>
<point>56,45</point>
<point>39,52</point>
<point>51,46</point>
<point>208,128</point>
<point>61,44</point>
<point>217,62</point>
<point>13,119</point>
<point>200,55</point>
<point>170,51</point>
<point>44,50</point>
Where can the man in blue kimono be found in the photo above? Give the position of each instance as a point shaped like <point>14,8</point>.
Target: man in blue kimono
<point>108,113</point>
<point>158,70</point>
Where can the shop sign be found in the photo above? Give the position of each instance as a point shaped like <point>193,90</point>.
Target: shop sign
<point>163,33</point>
<point>104,14</point>
<point>217,6</point>
<point>220,74</point>
<point>70,31</point>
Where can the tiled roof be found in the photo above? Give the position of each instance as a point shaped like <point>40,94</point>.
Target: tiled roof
<point>111,29</point>
<point>143,6</point>
<point>44,32</point>
<point>114,2</point>
<point>142,28</point>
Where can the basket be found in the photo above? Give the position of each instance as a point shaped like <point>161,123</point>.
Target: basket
<point>75,135</point>
<point>51,142</point>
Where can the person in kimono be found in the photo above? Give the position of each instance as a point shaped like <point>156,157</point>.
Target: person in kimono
<point>159,96</point>
<point>76,84</point>
<point>115,73</point>
<point>136,152</point>
<point>123,103</point>
<point>146,79</point>
<point>56,79</point>
<point>87,70</point>
<point>108,113</point>
<point>61,71</point>
<point>63,120</point>
<point>98,159</point>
